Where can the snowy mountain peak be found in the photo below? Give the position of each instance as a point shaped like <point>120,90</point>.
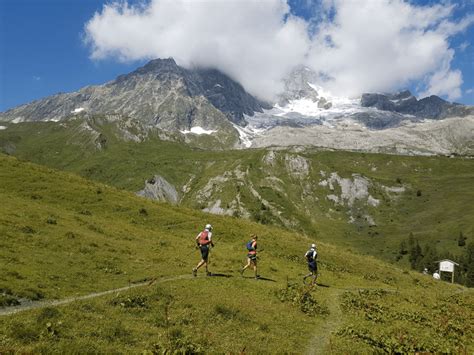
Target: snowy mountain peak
<point>308,114</point>
<point>296,86</point>
<point>203,101</point>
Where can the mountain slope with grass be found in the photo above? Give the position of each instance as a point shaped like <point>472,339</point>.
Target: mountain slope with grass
<point>372,203</point>
<point>64,236</point>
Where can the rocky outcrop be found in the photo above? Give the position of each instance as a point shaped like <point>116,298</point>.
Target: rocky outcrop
<point>270,158</point>
<point>157,188</point>
<point>352,190</point>
<point>297,86</point>
<point>405,103</point>
<point>227,95</point>
<point>379,120</point>
<point>354,194</point>
<point>444,137</point>
<point>297,165</point>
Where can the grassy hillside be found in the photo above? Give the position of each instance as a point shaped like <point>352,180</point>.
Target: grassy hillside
<point>65,236</point>
<point>428,197</point>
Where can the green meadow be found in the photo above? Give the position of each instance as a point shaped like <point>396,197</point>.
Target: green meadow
<point>435,206</point>
<point>63,236</point>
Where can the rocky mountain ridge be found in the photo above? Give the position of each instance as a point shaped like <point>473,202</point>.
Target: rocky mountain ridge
<point>432,107</point>
<point>187,103</point>
<point>160,93</point>
<point>307,115</point>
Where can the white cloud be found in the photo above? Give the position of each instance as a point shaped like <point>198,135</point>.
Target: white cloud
<point>384,45</point>
<point>445,83</point>
<point>362,46</point>
<point>463,46</point>
<point>249,40</point>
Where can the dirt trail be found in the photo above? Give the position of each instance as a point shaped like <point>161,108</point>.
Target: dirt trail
<point>321,337</point>
<point>52,303</point>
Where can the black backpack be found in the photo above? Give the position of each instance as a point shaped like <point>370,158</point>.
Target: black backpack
<point>309,256</point>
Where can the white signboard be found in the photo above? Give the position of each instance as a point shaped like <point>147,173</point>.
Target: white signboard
<point>447,266</point>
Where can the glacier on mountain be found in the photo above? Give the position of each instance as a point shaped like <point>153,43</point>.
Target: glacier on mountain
<point>308,115</point>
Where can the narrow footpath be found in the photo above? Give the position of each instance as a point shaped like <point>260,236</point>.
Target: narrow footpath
<point>320,340</point>
<point>52,303</point>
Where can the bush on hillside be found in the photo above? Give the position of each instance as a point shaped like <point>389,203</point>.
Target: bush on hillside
<point>48,313</point>
<point>24,333</point>
<point>226,312</point>
<point>32,294</point>
<point>8,300</point>
<point>130,302</point>
<point>51,220</point>
<point>461,240</point>
<point>302,298</point>
<point>175,342</point>
<point>28,230</point>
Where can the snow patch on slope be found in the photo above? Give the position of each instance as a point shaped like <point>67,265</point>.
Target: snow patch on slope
<point>18,120</point>
<point>247,134</point>
<point>198,130</point>
<point>308,107</point>
<point>77,110</point>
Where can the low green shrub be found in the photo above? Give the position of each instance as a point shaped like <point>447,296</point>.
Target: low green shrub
<point>301,297</point>
<point>8,300</point>
<point>175,342</point>
<point>24,333</point>
<point>130,302</point>
<point>226,312</point>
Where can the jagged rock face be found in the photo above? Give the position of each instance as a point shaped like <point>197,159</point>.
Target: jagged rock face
<point>394,123</point>
<point>160,93</point>
<point>405,103</point>
<point>379,120</point>
<point>165,96</point>
<point>157,188</point>
<point>228,96</point>
<point>296,86</point>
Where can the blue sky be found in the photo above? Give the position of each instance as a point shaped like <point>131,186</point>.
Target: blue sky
<point>42,50</point>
